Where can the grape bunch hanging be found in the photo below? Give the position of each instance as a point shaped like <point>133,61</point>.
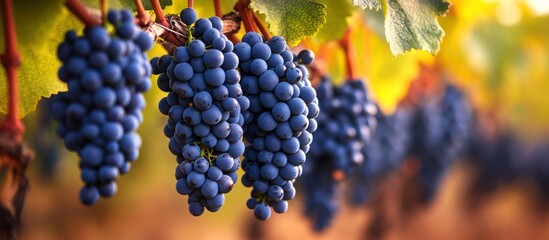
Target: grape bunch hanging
<point>229,104</point>
<point>106,75</point>
<point>279,123</point>
<point>345,123</point>
<point>219,92</point>
<point>203,105</point>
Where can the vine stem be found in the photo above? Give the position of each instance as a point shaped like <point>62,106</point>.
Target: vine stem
<point>217,6</point>
<point>350,55</point>
<point>11,60</point>
<point>319,66</point>
<point>219,13</point>
<point>261,27</point>
<point>160,18</point>
<point>242,7</point>
<point>142,15</point>
<point>103,5</point>
<point>81,11</point>
<point>233,39</point>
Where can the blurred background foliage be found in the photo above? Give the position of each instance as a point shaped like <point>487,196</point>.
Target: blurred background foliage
<point>496,50</point>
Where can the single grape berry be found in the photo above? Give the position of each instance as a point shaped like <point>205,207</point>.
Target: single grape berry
<point>188,16</point>
<point>306,57</point>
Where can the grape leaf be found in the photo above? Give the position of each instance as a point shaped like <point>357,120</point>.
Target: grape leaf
<point>31,32</point>
<point>337,12</point>
<point>412,24</point>
<point>293,20</point>
<point>37,43</point>
<point>371,4</point>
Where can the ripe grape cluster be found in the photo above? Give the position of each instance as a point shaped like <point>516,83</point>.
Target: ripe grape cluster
<point>496,159</point>
<point>382,154</point>
<point>439,133</point>
<point>279,121</point>
<point>203,105</point>
<point>345,122</point>
<point>98,115</point>
<point>456,119</point>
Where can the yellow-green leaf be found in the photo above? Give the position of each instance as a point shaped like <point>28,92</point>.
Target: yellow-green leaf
<point>37,79</point>
<point>30,31</point>
<point>294,20</point>
<point>337,12</point>
<point>371,4</point>
<point>412,24</point>
<point>37,43</point>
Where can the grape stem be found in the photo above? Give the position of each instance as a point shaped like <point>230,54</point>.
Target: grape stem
<point>103,5</point>
<point>242,6</point>
<point>82,13</point>
<point>229,26</point>
<point>11,60</point>
<point>13,152</point>
<point>168,35</point>
<point>233,39</point>
<point>160,18</point>
<point>261,27</point>
<point>190,3</point>
<point>319,67</point>
<point>217,6</point>
<point>350,55</point>
<point>143,17</point>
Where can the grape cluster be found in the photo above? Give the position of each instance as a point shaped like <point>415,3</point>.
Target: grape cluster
<point>347,117</point>
<point>497,159</point>
<point>345,125</point>
<point>321,191</point>
<point>203,105</point>
<point>382,154</point>
<point>426,132</point>
<point>439,132</point>
<point>456,120</point>
<point>279,121</point>
<point>98,115</point>
<point>536,167</point>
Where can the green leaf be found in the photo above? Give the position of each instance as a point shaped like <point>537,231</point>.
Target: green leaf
<point>37,43</point>
<point>371,4</point>
<point>293,20</point>
<point>412,24</point>
<point>337,12</point>
<point>127,4</point>
<point>30,31</point>
<point>37,79</point>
